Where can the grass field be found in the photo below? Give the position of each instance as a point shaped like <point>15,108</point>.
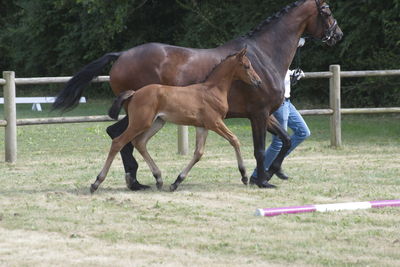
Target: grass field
<point>48,217</point>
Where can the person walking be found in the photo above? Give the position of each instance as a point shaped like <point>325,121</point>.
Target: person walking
<point>288,116</point>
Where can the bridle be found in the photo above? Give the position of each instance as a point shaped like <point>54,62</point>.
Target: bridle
<point>330,29</point>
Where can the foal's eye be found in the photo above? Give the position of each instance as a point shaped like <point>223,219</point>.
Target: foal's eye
<point>246,67</point>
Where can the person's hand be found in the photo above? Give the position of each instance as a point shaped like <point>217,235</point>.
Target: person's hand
<point>302,75</point>
<point>302,41</point>
<point>298,73</point>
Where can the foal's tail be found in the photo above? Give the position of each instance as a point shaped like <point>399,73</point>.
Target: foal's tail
<point>68,97</point>
<point>113,112</point>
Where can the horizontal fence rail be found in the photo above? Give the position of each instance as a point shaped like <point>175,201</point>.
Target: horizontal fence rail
<point>103,118</point>
<point>57,120</point>
<point>51,80</point>
<point>352,74</point>
<point>369,73</point>
<point>10,122</point>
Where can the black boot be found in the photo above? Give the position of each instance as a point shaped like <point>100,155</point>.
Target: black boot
<point>281,175</point>
<point>261,184</point>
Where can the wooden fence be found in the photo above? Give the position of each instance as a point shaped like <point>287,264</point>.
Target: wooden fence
<point>10,122</point>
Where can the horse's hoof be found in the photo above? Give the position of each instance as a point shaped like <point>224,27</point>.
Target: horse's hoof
<point>159,185</point>
<point>261,184</point>
<point>173,187</point>
<point>245,180</point>
<point>133,184</point>
<point>136,186</point>
<point>93,188</point>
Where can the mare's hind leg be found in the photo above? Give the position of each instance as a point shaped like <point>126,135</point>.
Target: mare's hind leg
<point>141,145</point>
<point>201,136</point>
<point>274,127</point>
<point>130,163</point>
<point>222,130</point>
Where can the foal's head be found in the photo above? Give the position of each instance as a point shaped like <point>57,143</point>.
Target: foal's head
<point>244,70</point>
<point>322,24</point>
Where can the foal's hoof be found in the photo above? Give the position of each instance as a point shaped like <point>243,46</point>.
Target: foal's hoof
<point>173,187</point>
<point>245,180</point>
<point>261,184</point>
<point>133,184</point>
<point>93,188</point>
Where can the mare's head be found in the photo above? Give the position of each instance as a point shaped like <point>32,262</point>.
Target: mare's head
<point>244,70</point>
<point>322,24</point>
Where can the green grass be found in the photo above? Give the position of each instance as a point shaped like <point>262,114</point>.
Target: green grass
<point>48,216</point>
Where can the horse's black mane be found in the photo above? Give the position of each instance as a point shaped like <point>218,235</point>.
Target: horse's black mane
<point>275,16</point>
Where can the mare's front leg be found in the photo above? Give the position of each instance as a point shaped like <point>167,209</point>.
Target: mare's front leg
<point>223,131</point>
<point>201,136</point>
<point>130,163</point>
<point>276,128</point>
<point>259,127</point>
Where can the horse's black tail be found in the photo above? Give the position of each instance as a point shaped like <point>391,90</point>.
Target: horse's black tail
<point>113,112</point>
<point>68,97</point>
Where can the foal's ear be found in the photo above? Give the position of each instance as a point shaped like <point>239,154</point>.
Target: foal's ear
<point>242,53</point>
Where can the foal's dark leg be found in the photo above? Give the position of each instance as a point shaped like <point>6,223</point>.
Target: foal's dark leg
<point>275,128</point>
<point>259,127</point>
<point>130,164</point>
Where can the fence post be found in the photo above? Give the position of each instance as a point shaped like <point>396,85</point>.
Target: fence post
<point>334,99</point>
<point>183,140</point>
<point>10,115</point>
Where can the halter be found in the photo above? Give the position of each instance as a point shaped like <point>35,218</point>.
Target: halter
<point>330,29</point>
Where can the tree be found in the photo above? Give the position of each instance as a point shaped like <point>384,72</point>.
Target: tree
<point>371,41</point>
<point>58,37</point>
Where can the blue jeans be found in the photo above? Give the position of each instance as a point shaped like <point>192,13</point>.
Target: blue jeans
<point>288,116</point>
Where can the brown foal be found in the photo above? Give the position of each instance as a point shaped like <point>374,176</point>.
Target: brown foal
<point>203,105</point>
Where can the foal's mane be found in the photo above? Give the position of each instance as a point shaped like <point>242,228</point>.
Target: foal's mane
<point>217,65</point>
<point>274,17</point>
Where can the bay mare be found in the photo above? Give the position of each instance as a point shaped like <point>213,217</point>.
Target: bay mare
<point>203,105</point>
<point>271,47</point>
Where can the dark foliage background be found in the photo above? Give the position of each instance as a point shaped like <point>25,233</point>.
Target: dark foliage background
<point>58,37</point>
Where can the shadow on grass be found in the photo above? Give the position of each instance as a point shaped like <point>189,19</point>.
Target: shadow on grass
<point>85,191</point>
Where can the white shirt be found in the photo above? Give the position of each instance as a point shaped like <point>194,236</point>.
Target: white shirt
<point>287,81</point>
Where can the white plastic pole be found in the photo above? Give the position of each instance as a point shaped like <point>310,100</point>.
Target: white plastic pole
<point>328,207</point>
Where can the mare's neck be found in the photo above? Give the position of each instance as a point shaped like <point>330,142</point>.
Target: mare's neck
<point>279,38</point>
